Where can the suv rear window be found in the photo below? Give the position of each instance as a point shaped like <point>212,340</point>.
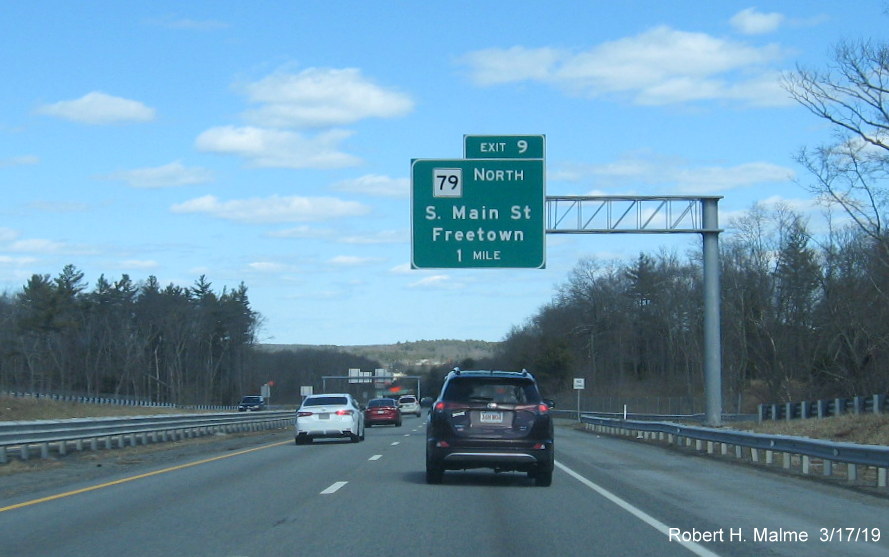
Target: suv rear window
<point>325,401</point>
<point>499,390</point>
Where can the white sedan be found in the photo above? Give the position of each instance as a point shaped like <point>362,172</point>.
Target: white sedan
<point>330,415</point>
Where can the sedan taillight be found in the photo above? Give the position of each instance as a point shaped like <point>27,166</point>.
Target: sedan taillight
<point>303,414</point>
<point>344,412</point>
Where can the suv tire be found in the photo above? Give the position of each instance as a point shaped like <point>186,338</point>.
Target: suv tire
<point>434,472</point>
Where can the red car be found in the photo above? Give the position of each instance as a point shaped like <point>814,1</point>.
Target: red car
<point>382,411</point>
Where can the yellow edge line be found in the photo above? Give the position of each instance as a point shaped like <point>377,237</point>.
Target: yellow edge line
<point>139,477</point>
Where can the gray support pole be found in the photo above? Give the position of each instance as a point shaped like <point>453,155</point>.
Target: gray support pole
<point>712,336</point>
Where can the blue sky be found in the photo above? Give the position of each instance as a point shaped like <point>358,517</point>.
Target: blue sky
<point>270,143</point>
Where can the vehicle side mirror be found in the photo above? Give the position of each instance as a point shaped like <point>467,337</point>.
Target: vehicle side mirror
<point>550,402</point>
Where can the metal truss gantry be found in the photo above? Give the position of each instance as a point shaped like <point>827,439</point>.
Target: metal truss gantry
<point>658,215</point>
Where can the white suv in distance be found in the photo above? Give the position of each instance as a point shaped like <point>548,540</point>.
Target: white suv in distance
<point>329,415</point>
<point>409,405</point>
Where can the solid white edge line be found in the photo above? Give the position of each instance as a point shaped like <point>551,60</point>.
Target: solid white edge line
<point>334,487</point>
<point>695,548</point>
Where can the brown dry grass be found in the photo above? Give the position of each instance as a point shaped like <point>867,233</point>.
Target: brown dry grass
<point>866,429</point>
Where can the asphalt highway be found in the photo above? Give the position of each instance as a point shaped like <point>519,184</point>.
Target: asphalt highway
<point>609,497</point>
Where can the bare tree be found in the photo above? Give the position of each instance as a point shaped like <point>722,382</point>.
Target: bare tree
<point>853,96</point>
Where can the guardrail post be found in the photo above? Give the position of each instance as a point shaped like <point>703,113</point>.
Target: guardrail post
<point>852,472</point>
<point>828,468</point>
<point>881,477</point>
<point>822,408</point>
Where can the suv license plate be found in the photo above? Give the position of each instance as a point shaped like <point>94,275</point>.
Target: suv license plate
<point>491,418</point>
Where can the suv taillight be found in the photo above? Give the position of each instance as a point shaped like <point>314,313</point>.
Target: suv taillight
<point>442,405</point>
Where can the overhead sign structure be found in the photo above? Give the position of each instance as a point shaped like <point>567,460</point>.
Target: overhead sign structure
<point>477,213</point>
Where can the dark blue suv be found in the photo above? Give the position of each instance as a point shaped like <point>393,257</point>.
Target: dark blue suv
<point>490,419</point>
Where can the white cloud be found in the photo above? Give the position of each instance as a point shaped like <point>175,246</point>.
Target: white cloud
<point>437,282</point>
<point>659,66</point>
<point>17,261</point>
<point>140,264</point>
<point>321,97</point>
<point>712,179</point>
<point>37,245</point>
<point>303,231</point>
<point>352,260</point>
<point>278,148</point>
<point>273,209</point>
<point>99,108</point>
<point>494,66</point>
<point>268,267</point>
<point>753,22</point>
<point>168,175</point>
<point>374,184</point>
<point>8,235</point>
<point>636,171</point>
<point>20,161</point>
<point>378,237</point>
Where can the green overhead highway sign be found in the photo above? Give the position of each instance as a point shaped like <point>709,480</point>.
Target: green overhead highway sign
<point>475,213</point>
<point>504,146</point>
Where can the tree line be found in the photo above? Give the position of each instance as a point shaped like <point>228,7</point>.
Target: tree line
<point>183,345</point>
<point>797,320</point>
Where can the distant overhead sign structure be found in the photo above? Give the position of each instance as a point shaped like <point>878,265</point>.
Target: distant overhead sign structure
<point>486,210</point>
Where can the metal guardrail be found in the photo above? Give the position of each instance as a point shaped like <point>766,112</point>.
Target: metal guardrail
<point>113,401</point>
<point>874,404</point>
<point>130,430</point>
<point>808,454</point>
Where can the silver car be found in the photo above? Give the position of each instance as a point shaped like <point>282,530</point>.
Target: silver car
<point>329,415</point>
<point>409,405</point>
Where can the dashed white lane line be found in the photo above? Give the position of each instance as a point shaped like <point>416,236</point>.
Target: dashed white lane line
<point>334,487</point>
<point>396,443</point>
<point>376,457</point>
